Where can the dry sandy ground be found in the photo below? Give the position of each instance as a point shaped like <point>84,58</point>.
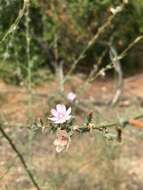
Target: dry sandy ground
<point>14,100</point>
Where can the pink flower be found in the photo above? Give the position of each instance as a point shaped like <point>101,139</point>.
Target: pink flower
<point>71,96</point>
<point>62,140</point>
<point>60,114</point>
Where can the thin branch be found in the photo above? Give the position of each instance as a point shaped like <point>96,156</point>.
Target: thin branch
<point>93,73</point>
<point>109,125</point>
<point>23,162</point>
<point>13,27</point>
<point>130,46</point>
<point>100,31</point>
<point>118,69</point>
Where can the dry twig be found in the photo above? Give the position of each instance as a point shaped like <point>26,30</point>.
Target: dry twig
<point>20,156</point>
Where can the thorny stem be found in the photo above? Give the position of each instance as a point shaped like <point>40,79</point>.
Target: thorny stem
<point>20,156</point>
<point>93,74</point>
<point>109,125</point>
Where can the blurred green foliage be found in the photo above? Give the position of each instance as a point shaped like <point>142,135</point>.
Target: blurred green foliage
<point>61,29</point>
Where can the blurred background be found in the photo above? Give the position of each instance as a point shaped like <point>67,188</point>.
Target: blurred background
<point>93,48</point>
<point>60,30</point>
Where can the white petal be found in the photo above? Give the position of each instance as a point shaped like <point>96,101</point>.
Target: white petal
<point>68,117</point>
<point>60,142</point>
<point>54,112</point>
<point>67,147</point>
<point>71,96</point>
<point>59,148</point>
<point>52,118</point>
<point>64,142</point>
<point>58,121</point>
<point>61,108</point>
<point>68,111</point>
<point>56,142</point>
<point>58,107</point>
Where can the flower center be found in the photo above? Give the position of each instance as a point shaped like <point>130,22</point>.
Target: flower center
<point>61,115</point>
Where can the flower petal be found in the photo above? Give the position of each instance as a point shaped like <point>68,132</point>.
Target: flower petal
<point>68,117</point>
<point>64,142</point>
<point>71,96</point>
<point>68,111</point>
<point>62,120</point>
<point>59,148</point>
<point>56,142</point>
<point>54,112</point>
<point>61,108</point>
<point>52,118</point>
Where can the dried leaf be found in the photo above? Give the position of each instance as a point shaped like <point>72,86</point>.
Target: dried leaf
<point>136,123</point>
